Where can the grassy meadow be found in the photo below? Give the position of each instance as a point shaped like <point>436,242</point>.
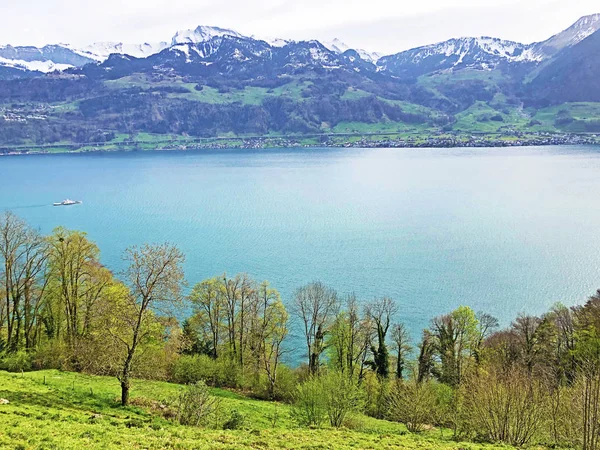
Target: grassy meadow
<point>63,410</point>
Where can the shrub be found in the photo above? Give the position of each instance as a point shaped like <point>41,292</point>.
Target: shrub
<point>195,405</point>
<point>285,387</point>
<point>309,403</point>
<point>215,372</point>
<point>51,355</point>
<point>342,396</point>
<point>235,421</point>
<point>332,396</point>
<point>376,391</point>
<point>414,404</point>
<point>15,362</point>
<point>505,406</point>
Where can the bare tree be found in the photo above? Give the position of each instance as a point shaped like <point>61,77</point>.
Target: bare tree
<point>315,305</point>
<point>401,340</point>
<point>425,360</point>
<point>23,253</point>
<point>155,277</point>
<point>247,293</point>
<point>526,329</point>
<point>349,339</point>
<point>485,327</point>
<point>381,313</point>
<point>209,302</point>
<point>77,278</point>
<point>232,300</point>
<point>273,331</point>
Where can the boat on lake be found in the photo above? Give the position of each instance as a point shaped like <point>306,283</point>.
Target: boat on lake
<point>68,202</point>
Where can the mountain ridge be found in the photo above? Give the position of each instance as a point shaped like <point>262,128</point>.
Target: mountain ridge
<point>216,83</point>
<point>476,52</point>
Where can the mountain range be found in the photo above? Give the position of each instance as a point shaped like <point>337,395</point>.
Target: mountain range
<point>212,81</point>
<point>481,52</point>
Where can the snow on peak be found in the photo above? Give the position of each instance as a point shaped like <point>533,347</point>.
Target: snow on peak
<point>339,47</point>
<point>36,66</point>
<point>474,46</point>
<point>588,24</point>
<point>584,27</point>
<point>202,34</point>
<point>273,42</point>
<point>336,46</point>
<point>100,51</point>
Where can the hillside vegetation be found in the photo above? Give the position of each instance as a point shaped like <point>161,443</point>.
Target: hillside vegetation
<point>219,374</point>
<point>52,409</point>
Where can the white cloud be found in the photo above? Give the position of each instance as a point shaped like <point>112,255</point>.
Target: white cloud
<point>381,25</point>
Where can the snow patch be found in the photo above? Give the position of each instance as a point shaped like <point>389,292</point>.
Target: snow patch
<point>100,51</point>
<point>339,47</point>
<point>202,34</point>
<point>36,66</point>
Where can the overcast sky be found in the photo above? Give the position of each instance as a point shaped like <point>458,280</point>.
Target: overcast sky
<point>378,25</point>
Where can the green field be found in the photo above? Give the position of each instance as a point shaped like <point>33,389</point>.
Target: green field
<point>61,410</point>
<point>250,95</point>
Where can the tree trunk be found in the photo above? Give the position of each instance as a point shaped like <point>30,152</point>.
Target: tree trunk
<point>125,390</point>
<point>124,379</point>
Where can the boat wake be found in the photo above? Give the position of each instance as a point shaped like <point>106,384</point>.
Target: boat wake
<point>11,208</point>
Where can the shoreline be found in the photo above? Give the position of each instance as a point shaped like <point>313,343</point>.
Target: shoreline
<point>323,141</point>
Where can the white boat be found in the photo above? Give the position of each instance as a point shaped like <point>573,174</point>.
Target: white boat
<point>68,202</point>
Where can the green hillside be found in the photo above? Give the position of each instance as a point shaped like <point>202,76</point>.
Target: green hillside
<point>63,410</point>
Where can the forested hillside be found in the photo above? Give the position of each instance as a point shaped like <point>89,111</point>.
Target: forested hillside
<point>222,85</point>
<point>535,382</point>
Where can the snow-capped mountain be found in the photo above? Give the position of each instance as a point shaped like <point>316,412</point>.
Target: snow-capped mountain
<point>34,66</point>
<point>484,53</point>
<point>200,44</point>
<point>340,47</point>
<point>45,59</point>
<point>201,34</point>
<point>580,30</point>
<point>100,51</point>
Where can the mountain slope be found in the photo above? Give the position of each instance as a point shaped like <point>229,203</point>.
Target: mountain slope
<point>46,59</point>
<point>63,56</point>
<point>580,30</point>
<point>100,51</point>
<point>571,76</point>
<point>482,53</point>
<point>211,82</point>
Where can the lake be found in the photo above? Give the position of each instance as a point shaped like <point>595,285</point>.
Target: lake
<point>501,230</point>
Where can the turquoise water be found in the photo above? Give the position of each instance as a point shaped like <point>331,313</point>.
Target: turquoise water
<point>501,230</point>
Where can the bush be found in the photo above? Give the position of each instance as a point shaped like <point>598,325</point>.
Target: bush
<point>376,391</point>
<point>342,396</point>
<point>414,404</point>
<point>332,396</point>
<point>505,406</point>
<point>195,405</point>
<point>285,387</point>
<point>309,403</point>
<point>51,355</point>
<point>215,372</point>
<point>235,421</point>
<point>15,362</point>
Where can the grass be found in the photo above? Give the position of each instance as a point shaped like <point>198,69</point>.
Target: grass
<point>248,96</point>
<point>582,113</point>
<point>62,410</point>
<point>380,127</point>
